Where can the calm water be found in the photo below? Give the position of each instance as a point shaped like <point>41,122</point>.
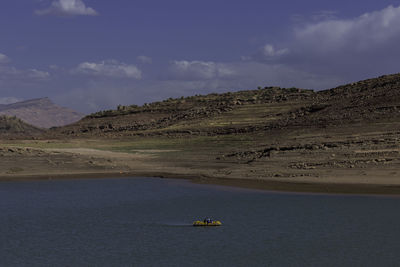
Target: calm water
<point>147,222</point>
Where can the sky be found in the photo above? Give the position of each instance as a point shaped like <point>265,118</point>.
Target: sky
<point>91,55</point>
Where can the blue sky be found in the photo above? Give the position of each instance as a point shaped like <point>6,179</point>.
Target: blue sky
<point>96,54</point>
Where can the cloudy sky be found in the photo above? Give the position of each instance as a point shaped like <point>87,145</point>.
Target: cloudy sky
<point>95,54</point>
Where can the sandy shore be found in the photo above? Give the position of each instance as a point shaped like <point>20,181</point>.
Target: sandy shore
<point>295,168</point>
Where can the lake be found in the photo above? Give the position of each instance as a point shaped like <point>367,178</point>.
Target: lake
<point>147,222</point>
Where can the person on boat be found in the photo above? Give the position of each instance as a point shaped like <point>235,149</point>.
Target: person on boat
<point>208,220</point>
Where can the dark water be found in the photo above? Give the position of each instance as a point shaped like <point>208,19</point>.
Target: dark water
<point>147,222</point>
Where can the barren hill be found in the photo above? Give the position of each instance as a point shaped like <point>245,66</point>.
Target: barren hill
<point>41,112</point>
<point>369,101</point>
<point>204,114</point>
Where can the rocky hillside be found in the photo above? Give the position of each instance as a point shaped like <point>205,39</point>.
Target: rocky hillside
<point>14,127</point>
<point>370,101</point>
<point>184,115</point>
<point>41,112</point>
<point>373,100</point>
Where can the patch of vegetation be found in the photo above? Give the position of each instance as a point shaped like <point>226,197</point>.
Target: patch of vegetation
<point>13,125</point>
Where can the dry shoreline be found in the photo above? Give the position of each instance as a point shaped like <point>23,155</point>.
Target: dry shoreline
<point>267,185</point>
<point>344,163</point>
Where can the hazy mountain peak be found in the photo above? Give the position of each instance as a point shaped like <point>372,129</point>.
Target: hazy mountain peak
<point>41,112</point>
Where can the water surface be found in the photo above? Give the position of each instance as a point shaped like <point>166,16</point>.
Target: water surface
<point>147,222</point>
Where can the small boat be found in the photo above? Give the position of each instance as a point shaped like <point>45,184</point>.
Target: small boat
<point>207,223</point>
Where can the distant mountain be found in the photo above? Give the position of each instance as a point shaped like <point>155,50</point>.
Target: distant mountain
<point>11,126</point>
<point>41,112</point>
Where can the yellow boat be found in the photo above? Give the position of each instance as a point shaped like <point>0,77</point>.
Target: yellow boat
<point>205,223</point>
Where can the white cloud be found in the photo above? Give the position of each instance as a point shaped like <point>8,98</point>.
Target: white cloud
<point>324,15</point>
<point>145,59</point>
<point>38,74</point>
<point>15,81</point>
<point>319,16</point>
<point>67,8</point>
<point>366,32</point>
<point>269,51</point>
<point>353,48</point>
<point>4,58</point>
<point>110,68</point>
<point>9,100</point>
<point>8,73</point>
<point>199,70</point>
